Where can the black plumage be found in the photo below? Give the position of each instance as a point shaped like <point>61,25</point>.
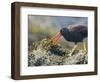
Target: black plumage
<point>74,33</point>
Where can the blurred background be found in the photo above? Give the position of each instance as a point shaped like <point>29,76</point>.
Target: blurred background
<point>42,26</point>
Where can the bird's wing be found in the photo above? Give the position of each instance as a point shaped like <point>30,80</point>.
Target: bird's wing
<point>77,28</point>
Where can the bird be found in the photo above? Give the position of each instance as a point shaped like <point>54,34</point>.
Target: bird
<point>73,33</point>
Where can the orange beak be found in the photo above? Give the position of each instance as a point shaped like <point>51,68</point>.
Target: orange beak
<point>56,38</point>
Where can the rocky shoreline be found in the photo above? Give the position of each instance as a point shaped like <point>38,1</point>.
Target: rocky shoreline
<point>42,53</point>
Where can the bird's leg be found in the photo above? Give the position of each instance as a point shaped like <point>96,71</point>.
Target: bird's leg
<point>84,46</point>
<point>73,50</point>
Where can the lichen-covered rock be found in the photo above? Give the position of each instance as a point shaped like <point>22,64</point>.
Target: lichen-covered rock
<point>78,58</point>
<point>43,53</point>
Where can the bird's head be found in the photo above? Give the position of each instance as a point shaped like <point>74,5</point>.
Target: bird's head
<point>64,30</point>
<point>57,36</point>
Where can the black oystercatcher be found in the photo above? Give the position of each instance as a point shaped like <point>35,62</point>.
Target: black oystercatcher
<point>74,33</point>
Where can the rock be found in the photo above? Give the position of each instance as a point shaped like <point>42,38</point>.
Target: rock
<point>79,58</point>
<point>43,53</point>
